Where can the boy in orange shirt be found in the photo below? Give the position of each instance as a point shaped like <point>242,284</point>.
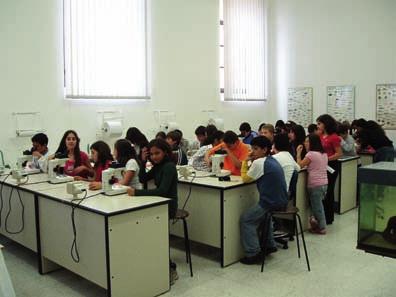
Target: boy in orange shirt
<point>236,151</point>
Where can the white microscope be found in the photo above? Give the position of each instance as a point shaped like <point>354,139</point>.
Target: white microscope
<point>217,165</point>
<point>110,186</point>
<point>74,188</point>
<point>26,169</point>
<point>55,171</point>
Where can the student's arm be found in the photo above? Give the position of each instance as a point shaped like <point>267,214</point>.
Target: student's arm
<point>145,176</point>
<point>128,176</point>
<point>302,162</point>
<point>212,151</point>
<point>169,177</point>
<point>244,170</point>
<point>85,166</point>
<point>237,161</point>
<point>337,155</point>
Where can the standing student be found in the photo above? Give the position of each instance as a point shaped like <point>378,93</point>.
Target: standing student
<point>316,162</point>
<point>282,154</point>
<point>296,137</point>
<point>138,139</point>
<point>165,178</point>
<point>271,185</point>
<point>40,152</point>
<point>247,133</point>
<point>347,141</point>
<point>373,135</point>
<point>174,138</point>
<point>125,155</point>
<point>102,158</point>
<point>78,163</point>
<point>331,143</point>
<point>236,151</point>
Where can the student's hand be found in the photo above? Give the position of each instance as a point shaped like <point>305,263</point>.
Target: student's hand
<point>299,149</point>
<point>95,186</point>
<point>131,191</point>
<point>36,154</point>
<point>78,170</point>
<point>77,178</point>
<point>145,153</point>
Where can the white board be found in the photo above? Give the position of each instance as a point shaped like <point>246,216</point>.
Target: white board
<point>299,105</point>
<point>341,102</point>
<point>386,106</point>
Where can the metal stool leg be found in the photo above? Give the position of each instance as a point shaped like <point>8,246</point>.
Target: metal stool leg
<point>264,238</point>
<point>297,240</point>
<point>303,240</point>
<point>187,246</point>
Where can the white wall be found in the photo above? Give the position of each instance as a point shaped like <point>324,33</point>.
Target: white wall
<point>312,43</point>
<point>185,73</point>
<point>321,43</point>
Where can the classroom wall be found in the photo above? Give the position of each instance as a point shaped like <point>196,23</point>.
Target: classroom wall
<point>320,43</point>
<point>311,43</point>
<point>185,73</point>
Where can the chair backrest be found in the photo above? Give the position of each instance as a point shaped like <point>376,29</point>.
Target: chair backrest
<point>293,186</point>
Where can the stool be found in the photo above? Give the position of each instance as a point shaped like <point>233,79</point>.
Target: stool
<point>293,211</point>
<point>182,214</point>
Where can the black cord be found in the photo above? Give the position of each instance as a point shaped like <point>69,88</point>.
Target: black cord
<point>188,194</point>
<point>74,250</point>
<point>1,196</point>
<point>9,213</point>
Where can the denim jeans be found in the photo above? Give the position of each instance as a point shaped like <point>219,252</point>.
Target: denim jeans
<point>316,195</point>
<point>385,154</point>
<point>249,223</point>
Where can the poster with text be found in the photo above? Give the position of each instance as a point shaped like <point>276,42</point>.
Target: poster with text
<point>386,106</point>
<point>341,103</point>
<point>299,105</point>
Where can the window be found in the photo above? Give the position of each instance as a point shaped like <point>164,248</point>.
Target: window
<point>106,49</point>
<point>243,40</point>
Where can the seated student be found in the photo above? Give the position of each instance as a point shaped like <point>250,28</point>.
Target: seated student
<point>247,133</point>
<point>125,155</point>
<point>102,158</point>
<point>137,138</point>
<point>210,130</point>
<point>312,128</point>
<point>281,149</point>
<point>271,185</point>
<point>173,138</point>
<point>39,152</point>
<point>236,151</point>
<point>165,178</point>
<point>280,127</point>
<point>160,135</point>
<point>197,161</point>
<point>78,163</point>
<point>347,141</point>
<point>268,131</point>
<point>296,137</point>
<point>184,144</point>
<point>200,133</point>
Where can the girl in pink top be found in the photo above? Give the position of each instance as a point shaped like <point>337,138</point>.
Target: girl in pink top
<point>78,163</point>
<point>316,162</point>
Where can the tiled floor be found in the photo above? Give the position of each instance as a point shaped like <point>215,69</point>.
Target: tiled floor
<point>338,269</point>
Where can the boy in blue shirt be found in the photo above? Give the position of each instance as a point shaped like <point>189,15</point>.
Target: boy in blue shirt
<point>247,133</point>
<point>271,185</point>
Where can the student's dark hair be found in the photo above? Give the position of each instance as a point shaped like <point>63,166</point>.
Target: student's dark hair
<point>262,142</point>
<point>62,149</point>
<point>104,153</point>
<point>175,136</point>
<point>342,129</point>
<point>261,126</point>
<point>281,142</point>
<point>200,130</point>
<point>280,124</point>
<point>330,124</point>
<point>161,135</point>
<point>361,123</point>
<point>312,128</point>
<point>135,136</point>
<point>299,133</point>
<point>40,138</point>
<point>314,143</point>
<point>125,151</point>
<point>180,132</point>
<point>218,135</point>
<point>230,137</point>
<point>245,127</point>
<point>210,129</point>
<point>163,146</point>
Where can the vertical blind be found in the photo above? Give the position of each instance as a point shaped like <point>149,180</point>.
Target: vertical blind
<point>243,23</point>
<point>106,49</point>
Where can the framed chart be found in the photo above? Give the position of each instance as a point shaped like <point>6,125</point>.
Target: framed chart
<point>299,105</point>
<point>341,102</point>
<point>386,106</point>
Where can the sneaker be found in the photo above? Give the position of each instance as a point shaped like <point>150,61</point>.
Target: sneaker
<point>252,260</point>
<point>318,231</point>
<point>314,223</point>
<point>173,276</point>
